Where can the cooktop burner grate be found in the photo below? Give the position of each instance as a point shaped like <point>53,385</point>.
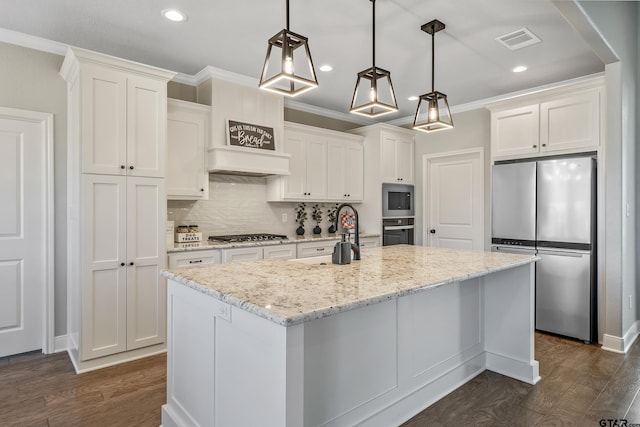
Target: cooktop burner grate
<point>258,237</point>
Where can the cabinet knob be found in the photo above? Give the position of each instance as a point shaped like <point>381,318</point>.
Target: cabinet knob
<point>544,145</point>
<point>122,264</point>
<point>131,263</point>
<point>122,166</point>
<point>432,231</point>
<point>535,146</point>
<point>202,189</point>
<point>131,167</point>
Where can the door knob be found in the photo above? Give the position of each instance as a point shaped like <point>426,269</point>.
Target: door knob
<point>432,231</point>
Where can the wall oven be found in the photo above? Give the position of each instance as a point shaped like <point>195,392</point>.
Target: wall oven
<point>397,231</point>
<point>397,200</point>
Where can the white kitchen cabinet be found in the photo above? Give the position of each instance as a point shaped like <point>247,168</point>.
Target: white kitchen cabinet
<point>556,123</point>
<point>187,132</point>
<point>123,295</point>
<point>515,131</point>
<point>123,122</point>
<point>116,208</point>
<point>309,249</point>
<point>369,242</point>
<point>241,254</point>
<point>571,122</point>
<point>346,170</point>
<point>194,258</point>
<point>326,166</point>
<point>396,157</point>
<point>285,251</point>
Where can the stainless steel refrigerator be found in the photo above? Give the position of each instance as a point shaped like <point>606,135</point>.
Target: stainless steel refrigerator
<point>547,208</point>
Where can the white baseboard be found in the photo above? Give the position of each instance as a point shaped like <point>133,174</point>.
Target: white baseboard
<point>621,344</point>
<point>60,343</point>
<point>527,372</point>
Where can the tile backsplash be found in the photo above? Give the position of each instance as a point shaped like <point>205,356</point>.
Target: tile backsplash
<point>238,205</point>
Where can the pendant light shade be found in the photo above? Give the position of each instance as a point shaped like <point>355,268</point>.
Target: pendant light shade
<point>433,111</point>
<point>288,67</point>
<point>373,94</point>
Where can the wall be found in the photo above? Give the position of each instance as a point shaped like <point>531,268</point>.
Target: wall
<point>617,24</point>
<point>238,205</point>
<point>30,81</point>
<point>472,129</point>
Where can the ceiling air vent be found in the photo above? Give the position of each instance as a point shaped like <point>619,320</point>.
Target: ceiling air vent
<point>518,39</point>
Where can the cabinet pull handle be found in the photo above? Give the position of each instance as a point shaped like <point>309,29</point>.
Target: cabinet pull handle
<point>319,249</point>
<point>131,167</point>
<point>122,167</point>
<point>195,262</point>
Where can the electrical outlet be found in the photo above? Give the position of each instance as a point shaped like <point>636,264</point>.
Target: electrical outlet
<point>284,217</point>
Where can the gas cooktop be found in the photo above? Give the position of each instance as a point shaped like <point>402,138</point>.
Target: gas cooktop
<point>258,237</point>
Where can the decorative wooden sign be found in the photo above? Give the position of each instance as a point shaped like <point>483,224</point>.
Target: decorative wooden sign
<point>250,135</point>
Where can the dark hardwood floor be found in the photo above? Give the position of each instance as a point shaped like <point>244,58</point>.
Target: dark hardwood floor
<point>581,385</point>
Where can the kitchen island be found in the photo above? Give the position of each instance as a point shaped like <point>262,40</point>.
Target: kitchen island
<point>306,343</point>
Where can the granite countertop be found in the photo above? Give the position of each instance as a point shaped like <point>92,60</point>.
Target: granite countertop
<point>198,246</point>
<point>288,292</point>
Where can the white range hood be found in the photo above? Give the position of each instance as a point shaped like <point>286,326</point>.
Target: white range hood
<point>242,101</point>
<point>247,161</point>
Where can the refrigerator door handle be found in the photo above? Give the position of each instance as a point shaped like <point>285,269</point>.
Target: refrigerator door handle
<point>563,252</point>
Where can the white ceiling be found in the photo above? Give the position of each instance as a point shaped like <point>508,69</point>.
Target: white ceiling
<point>232,35</point>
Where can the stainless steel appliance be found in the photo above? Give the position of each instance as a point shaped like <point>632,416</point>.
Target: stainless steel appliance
<point>397,200</point>
<point>397,231</point>
<point>548,208</point>
<point>256,237</point>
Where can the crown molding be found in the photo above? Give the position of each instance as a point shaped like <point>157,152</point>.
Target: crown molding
<point>210,72</point>
<point>32,42</point>
<point>332,114</point>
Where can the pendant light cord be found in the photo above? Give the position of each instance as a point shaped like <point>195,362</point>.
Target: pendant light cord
<point>433,57</point>
<point>373,48</point>
<point>287,15</point>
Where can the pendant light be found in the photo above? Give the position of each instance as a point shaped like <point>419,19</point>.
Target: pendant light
<point>373,94</point>
<point>288,53</point>
<point>433,108</point>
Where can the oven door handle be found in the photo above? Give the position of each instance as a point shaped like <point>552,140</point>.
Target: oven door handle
<point>398,227</point>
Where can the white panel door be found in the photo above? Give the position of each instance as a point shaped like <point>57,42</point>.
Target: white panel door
<point>22,231</point>
<point>388,158</point>
<point>455,197</point>
<point>104,121</point>
<point>146,127</point>
<point>146,254</point>
<point>354,166</point>
<point>336,179</point>
<point>515,131</point>
<point>404,160</point>
<point>104,288</point>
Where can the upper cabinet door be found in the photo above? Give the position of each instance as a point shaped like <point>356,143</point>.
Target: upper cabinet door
<point>294,184</point>
<point>396,158</point>
<point>354,171</point>
<point>104,121</point>
<point>187,132</point>
<point>515,131</point>
<point>570,122</point>
<point>316,167</point>
<point>146,127</point>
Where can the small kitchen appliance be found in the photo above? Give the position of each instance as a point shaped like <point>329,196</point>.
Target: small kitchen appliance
<point>397,200</point>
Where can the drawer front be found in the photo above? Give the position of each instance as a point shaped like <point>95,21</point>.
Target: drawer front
<point>241,254</point>
<point>194,258</point>
<point>369,242</point>
<point>279,251</point>
<point>309,249</point>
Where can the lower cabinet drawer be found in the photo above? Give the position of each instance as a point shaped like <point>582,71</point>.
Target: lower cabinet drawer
<point>241,254</point>
<point>369,242</point>
<point>309,249</point>
<point>280,251</point>
<point>193,258</point>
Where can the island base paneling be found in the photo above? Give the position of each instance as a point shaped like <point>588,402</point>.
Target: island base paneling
<point>375,365</point>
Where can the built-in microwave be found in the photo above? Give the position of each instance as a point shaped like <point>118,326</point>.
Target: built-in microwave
<point>397,200</point>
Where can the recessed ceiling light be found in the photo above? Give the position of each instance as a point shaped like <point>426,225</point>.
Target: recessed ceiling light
<point>174,15</point>
<point>412,98</point>
<point>326,68</point>
<point>519,69</point>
